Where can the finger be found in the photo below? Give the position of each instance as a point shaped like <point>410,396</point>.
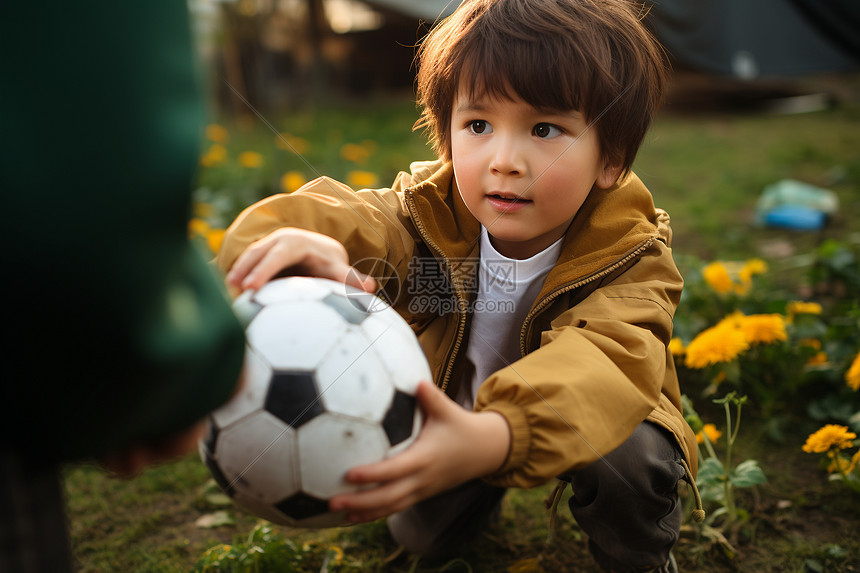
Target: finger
<point>246,261</point>
<point>342,272</point>
<point>432,400</point>
<point>274,260</point>
<point>360,280</point>
<point>394,468</point>
<point>377,502</point>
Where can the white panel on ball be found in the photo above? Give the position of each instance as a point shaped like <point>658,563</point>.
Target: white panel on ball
<point>352,380</point>
<point>255,374</point>
<point>295,289</point>
<point>280,333</point>
<point>401,356</point>
<point>257,455</point>
<point>356,443</point>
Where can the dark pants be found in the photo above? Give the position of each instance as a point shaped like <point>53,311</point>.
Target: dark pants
<point>33,533</point>
<point>627,503</point>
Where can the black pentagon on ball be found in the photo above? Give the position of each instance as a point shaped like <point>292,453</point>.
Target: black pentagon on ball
<point>211,436</point>
<point>301,506</point>
<point>351,309</point>
<point>400,418</point>
<point>293,397</point>
<point>209,441</point>
<point>219,476</point>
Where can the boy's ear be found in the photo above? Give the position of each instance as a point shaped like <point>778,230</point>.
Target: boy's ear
<point>608,176</point>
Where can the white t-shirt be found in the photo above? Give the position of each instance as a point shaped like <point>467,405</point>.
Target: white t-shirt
<point>506,290</point>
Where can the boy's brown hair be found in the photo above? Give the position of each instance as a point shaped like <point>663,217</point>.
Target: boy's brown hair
<point>593,56</point>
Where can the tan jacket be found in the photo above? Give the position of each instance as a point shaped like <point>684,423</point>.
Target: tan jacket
<point>595,361</point>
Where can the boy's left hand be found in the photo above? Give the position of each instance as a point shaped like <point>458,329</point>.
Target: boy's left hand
<point>455,445</point>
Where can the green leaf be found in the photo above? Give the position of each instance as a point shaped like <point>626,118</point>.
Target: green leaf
<point>218,500</point>
<point>216,519</point>
<point>710,480</point>
<point>834,551</point>
<point>746,474</point>
<point>710,471</point>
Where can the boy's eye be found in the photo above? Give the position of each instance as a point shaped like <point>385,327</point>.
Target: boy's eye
<point>479,126</point>
<point>546,130</point>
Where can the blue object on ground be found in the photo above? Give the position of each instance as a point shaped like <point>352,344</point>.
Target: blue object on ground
<point>795,205</point>
<point>794,217</point>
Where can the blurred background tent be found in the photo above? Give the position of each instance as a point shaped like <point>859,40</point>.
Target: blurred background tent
<point>750,39</point>
<point>757,56</point>
<point>281,53</point>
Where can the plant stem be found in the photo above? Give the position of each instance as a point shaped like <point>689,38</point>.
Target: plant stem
<point>833,454</point>
<point>708,446</point>
<point>731,434</point>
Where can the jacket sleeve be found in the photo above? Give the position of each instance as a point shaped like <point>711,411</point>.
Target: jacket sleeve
<point>598,373</point>
<point>373,225</point>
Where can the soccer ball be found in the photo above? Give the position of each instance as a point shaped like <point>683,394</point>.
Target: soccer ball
<point>330,379</point>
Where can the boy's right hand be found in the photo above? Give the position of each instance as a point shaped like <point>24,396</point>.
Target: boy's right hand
<point>305,252</point>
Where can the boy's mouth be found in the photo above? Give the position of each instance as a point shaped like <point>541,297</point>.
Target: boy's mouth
<point>506,202</point>
<point>508,198</point>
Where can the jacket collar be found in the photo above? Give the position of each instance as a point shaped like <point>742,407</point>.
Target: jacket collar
<point>441,210</point>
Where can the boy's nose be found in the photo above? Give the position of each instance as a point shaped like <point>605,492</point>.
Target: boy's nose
<point>507,158</point>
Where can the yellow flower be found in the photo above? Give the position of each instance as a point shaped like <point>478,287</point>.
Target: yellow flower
<point>829,437</point>
<point>361,179</point>
<point>337,552</point>
<point>676,347</point>
<point>763,328</point>
<point>717,276</point>
<point>712,432</point>
<point>214,155</point>
<point>217,133</point>
<point>838,462</point>
<point>291,143</point>
<point>754,267</point>
<point>855,459</point>
<point>817,359</point>
<point>250,159</point>
<point>801,307</point>
<point>199,227</point>
<point>214,238</point>
<point>852,377</point>
<point>292,180</point>
<point>745,284</point>
<point>355,153</point>
<point>733,320</point>
<point>714,345</point>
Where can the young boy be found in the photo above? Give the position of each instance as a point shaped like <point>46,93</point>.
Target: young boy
<point>548,336</point>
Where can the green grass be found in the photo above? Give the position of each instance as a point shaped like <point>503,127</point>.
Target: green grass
<point>707,170</point>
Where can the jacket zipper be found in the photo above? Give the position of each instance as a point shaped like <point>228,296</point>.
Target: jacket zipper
<point>576,284</point>
<point>462,302</point>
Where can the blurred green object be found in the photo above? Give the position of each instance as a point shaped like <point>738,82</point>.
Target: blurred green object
<point>796,205</point>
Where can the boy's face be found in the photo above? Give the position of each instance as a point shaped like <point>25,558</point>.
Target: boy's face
<point>522,172</point>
